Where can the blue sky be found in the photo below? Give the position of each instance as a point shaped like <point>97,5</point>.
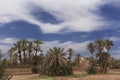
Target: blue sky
<point>60,23</point>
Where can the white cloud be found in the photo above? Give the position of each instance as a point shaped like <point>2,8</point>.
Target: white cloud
<point>80,15</point>
<point>8,40</point>
<point>77,47</point>
<point>4,48</point>
<point>116,54</point>
<point>77,15</point>
<point>6,43</point>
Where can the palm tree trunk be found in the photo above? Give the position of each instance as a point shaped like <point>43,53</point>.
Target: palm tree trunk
<point>36,53</point>
<point>29,58</point>
<point>20,57</point>
<point>24,57</point>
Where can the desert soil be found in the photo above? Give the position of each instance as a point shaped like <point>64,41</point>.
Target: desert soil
<point>114,75</point>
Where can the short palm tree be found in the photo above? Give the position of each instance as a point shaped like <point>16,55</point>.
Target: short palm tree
<point>56,64</point>
<point>56,56</point>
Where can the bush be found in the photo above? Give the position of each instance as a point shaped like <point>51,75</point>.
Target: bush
<point>91,70</point>
<point>58,71</point>
<point>35,70</point>
<point>3,74</point>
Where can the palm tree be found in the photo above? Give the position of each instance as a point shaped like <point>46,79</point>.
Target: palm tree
<point>24,47</point>
<point>30,48</point>
<point>11,53</point>
<point>77,59</point>
<point>103,57</point>
<point>55,60</point>
<point>56,56</point>
<point>37,46</point>
<point>91,48</point>
<point>15,58</point>
<point>1,55</point>
<point>99,55</point>
<point>106,61</point>
<point>70,52</point>
<point>108,43</point>
<point>99,45</point>
<point>18,49</point>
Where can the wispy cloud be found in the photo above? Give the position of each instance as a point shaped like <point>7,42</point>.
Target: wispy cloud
<point>77,16</point>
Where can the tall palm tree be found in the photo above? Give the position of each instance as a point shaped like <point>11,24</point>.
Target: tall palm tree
<point>37,46</point>
<point>99,55</point>
<point>70,52</point>
<point>108,43</point>
<point>15,58</point>
<point>99,45</point>
<point>30,48</point>
<point>11,53</point>
<point>91,48</point>
<point>1,55</point>
<point>77,59</point>
<point>18,48</point>
<point>24,47</point>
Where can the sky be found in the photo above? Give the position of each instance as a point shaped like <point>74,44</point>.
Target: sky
<point>60,23</point>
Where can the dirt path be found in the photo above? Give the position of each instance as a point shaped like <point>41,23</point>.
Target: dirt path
<point>91,77</point>
<point>21,77</point>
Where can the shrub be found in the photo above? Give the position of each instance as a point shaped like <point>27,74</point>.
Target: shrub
<point>35,70</point>
<point>58,71</point>
<point>55,63</point>
<point>91,70</point>
<point>3,74</point>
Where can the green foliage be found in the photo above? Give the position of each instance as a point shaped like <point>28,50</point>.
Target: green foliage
<point>23,51</point>
<point>3,74</point>
<point>34,69</point>
<point>36,62</point>
<point>114,63</point>
<point>102,48</point>
<point>91,70</point>
<point>77,60</point>
<point>56,70</point>
<point>55,64</point>
<point>92,66</point>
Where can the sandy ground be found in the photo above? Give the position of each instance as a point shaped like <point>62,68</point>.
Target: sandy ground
<point>114,76</point>
<point>21,77</point>
<point>91,77</point>
<point>95,77</point>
